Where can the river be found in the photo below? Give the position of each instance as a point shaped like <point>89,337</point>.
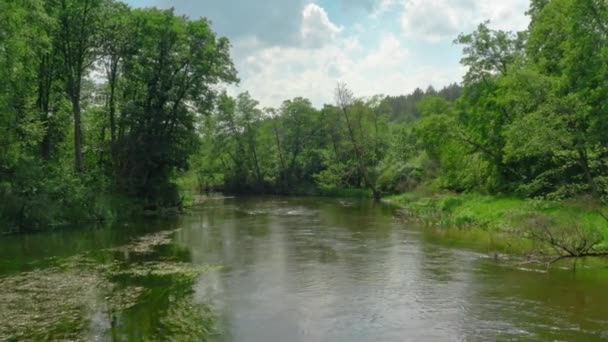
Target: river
<point>285,269</point>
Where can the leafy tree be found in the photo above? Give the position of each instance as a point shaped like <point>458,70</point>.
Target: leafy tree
<point>79,22</point>
<point>169,84</point>
<point>116,37</point>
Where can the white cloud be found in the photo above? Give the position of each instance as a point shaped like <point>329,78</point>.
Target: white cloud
<point>288,48</point>
<point>287,72</point>
<point>370,59</point>
<point>317,29</point>
<point>382,7</point>
<point>506,15</point>
<point>436,20</point>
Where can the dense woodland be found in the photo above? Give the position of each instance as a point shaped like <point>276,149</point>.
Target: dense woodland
<point>100,105</point>
<point>104,106</point>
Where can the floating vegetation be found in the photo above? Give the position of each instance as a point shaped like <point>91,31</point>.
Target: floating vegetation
<point>160,269</point>
<point>78,295</point>
<point>124,298</point>
<point>147,243</point>
<point>186,322</point>
<point>47,304</point>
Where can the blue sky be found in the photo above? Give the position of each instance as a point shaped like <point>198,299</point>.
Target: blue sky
<point>288,48</point>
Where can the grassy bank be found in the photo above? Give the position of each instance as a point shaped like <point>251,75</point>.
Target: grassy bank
<point>507,224</point>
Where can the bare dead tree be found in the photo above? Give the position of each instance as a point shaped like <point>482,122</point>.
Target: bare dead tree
<point>567,242</point>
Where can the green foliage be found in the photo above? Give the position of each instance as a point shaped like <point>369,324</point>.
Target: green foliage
<point>40,195</point>
<point>300,149</point>
<point>529,119</point>
<point>159,120</point>
<point>141,124</point>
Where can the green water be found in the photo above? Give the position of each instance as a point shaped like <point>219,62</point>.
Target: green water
<point>284,269</point>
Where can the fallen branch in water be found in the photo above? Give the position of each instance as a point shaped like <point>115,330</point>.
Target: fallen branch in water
<point>585,255</point>
<point>568,241</point>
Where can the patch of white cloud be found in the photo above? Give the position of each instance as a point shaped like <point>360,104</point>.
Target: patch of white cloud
<point>317,30</point>
<point>286,72</point>
<point>394,63</point>
<point>437,20</point>
<point>326,55</point>
<point>508,15</point>
<point>382,7</point>
<point>288,48</point>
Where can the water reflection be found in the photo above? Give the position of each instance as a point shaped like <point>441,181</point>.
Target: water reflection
<point>294,269</point>
<point>323,270</point>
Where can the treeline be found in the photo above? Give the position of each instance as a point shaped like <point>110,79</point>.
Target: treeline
<point>99,100</point>
<point>530,120</point>
<point>356,144</point>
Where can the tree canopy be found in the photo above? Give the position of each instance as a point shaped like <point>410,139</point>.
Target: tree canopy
<point>97,98</point>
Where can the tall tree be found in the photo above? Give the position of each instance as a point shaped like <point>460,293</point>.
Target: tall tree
<point>345,101</point>
<point>116,37</point>
<point>249,116</point>
<point>169,83</point>
<point>79,23</point>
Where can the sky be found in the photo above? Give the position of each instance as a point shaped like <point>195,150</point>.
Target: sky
<point>302,48</point>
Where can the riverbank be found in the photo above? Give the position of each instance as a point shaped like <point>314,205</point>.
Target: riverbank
<point>538,228</point>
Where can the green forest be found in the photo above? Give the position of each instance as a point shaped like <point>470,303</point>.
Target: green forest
<point>107,110</point>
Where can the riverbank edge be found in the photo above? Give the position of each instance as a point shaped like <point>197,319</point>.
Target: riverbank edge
<point>497,224</point>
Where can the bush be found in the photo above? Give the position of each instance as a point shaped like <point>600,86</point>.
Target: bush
<point>40,195</point>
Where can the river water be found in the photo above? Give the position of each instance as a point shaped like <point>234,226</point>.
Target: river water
<point>298,269</point>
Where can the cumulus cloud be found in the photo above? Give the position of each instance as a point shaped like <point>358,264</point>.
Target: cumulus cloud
<point>505,14</point>
<point>286,72</point>
<point>271,22</point>
<point>436,20</point>
<point>289,48</point>
<point>317,29</point>
<point>328,54</point>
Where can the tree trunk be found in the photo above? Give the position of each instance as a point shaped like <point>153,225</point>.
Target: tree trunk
<point>112,108</point>
<point>44,95</point>
<point>258,174</point>
<point>78,163</point>
<point>45,148</point>
<point>112,111</point>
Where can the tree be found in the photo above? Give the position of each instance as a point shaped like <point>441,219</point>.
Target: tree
<point>567,46</point>
<point>249,116</point>
<point>299,120</point>
<point>169,83</point>
<point>490,56</point>
<point>79,22</point>
<point>489,53</point>
<point>116,36</point>
<point>345,101</point>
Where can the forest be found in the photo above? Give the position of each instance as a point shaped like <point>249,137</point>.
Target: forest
<point>107,109</point>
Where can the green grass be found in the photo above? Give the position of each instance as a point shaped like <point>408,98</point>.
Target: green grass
<point>494,218</point>
<point>346,193</point>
